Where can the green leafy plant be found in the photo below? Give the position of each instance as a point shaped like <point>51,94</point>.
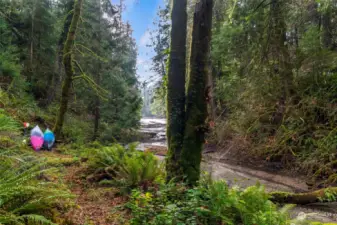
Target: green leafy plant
<point>208,203</point>
<point>7,124</point>
<point>125,167</point>
<point>25,199</point>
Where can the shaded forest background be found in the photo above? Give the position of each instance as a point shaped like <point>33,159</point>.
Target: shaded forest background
<point>104,100</point>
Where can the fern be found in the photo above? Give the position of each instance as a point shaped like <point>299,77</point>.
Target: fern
<point>23,198</point>
<point>36,219</point>
<point>125,166</point>
<point>7,123</point>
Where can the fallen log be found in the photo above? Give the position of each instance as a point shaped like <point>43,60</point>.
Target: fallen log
<point>156,150</point>
<point>322,195</point>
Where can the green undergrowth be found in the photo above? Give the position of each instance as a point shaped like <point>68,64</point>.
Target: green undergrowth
<point>211,202</point>
<point>140,176</point>
<point>26,197</point>
<point>28,194</point>
<point>124,167</point>
<point>303,136</point>
<point>19,107</point>
<point>9,130</point>
<point>57,161</point>
<point>31,197</point>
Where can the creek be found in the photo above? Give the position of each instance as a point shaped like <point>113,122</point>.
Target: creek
<point>153,133</point>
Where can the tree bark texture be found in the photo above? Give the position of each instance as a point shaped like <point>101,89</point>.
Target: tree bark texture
<point>196,105</point>
<point>31,45</point>
<point>176,88</point>
<point>98,79</point>
<point>57,77</point>
<point>68,67</point>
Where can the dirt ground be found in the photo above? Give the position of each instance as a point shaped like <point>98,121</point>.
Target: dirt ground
<point>94,205</point>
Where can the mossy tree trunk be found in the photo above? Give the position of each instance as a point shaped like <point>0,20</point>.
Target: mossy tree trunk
<point>68,67</point>
<point>57,77</point>
<point>176,88</point>
<point>31,43</point>
<point>97,110</point>
<point>322,195</point>
<point>196,105</point>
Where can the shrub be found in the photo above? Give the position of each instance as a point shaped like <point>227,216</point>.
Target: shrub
<point>77,130</point>
<point>208,203</point>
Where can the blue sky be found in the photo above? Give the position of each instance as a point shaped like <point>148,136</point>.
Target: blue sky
<point>141,14</point>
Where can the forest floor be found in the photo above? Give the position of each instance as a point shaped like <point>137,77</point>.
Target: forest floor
<point>94,204</point>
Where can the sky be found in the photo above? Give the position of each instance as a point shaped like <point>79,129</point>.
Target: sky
<point>141,14</point>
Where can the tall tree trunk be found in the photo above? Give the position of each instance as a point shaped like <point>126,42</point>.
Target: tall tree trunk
<point>97,112</point>
<point>68,66</point>
<point>31,47</point>
<point>32,40</point>
<point>57,77</point>
<point>176,88</point>
<point>327,35</point>
<point>196,106</point>
<point>280,56</point>
<point>296,36</point>
<point>98,80</point>
<point>210,92</point>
